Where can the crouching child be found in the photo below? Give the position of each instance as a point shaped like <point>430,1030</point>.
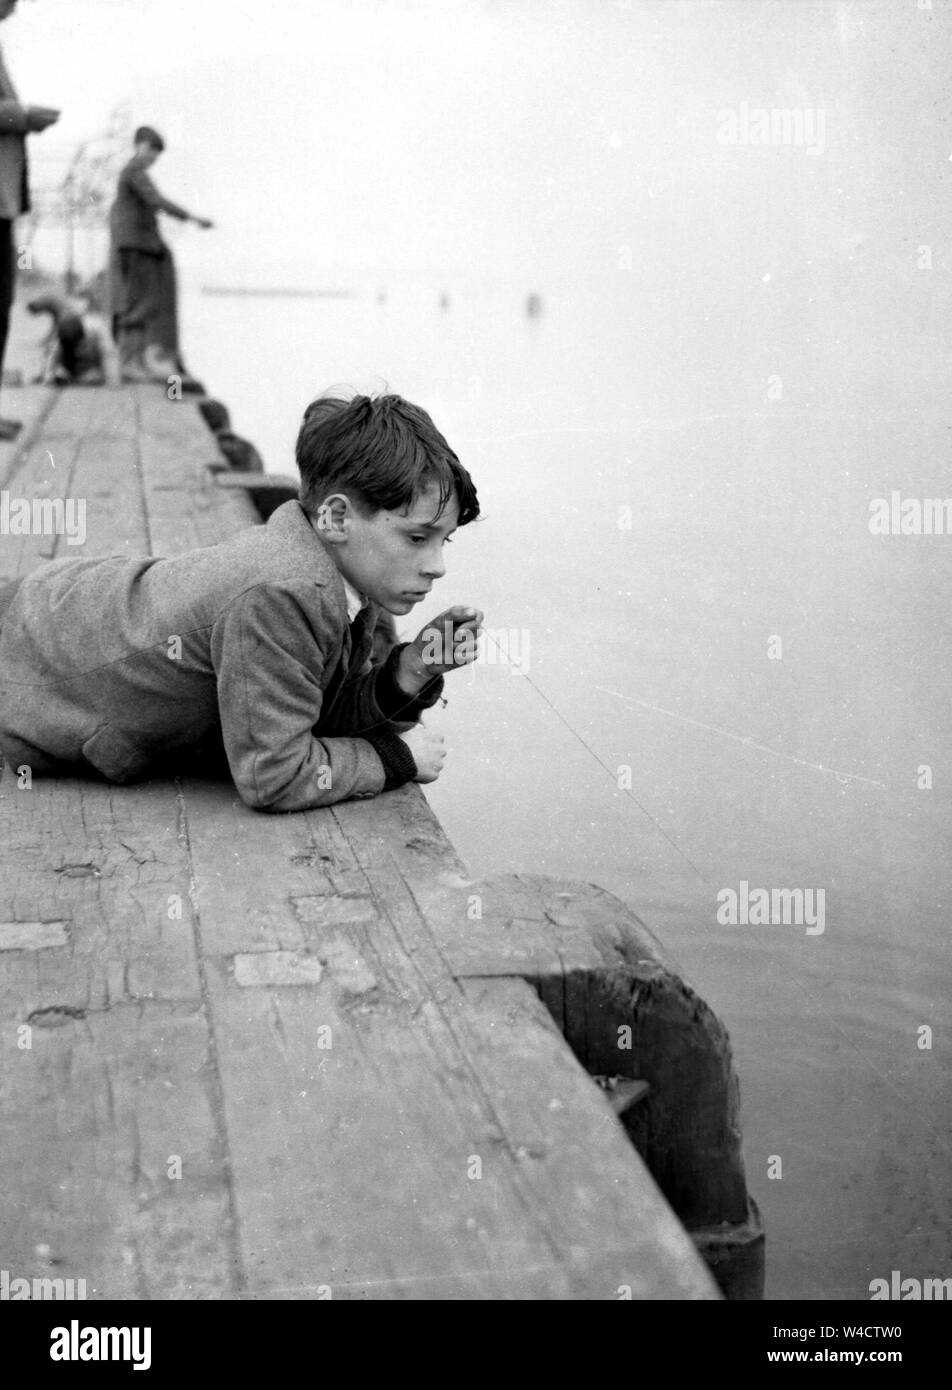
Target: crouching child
<point>74,347</point>
<point>256,652</point>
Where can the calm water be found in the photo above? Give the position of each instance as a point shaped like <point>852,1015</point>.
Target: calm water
<point>645,645</point>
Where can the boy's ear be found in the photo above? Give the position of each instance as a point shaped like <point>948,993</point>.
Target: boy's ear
<point>331,516</point>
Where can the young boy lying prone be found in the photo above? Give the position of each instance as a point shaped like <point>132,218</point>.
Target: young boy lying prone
<point>258,649</point>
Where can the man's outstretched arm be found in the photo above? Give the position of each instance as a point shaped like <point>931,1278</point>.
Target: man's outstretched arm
<point>145,189</point>
<point>25,120</point>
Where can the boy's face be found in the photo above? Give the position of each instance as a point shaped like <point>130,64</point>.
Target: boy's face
<point>392,557</point>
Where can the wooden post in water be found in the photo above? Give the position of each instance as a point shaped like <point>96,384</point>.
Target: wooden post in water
<point>626,1011</point>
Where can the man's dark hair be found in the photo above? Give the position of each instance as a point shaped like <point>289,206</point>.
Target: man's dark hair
<point>152,137</point>
<point>382,451</point>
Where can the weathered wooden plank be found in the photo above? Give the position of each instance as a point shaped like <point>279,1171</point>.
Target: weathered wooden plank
<point>351,1155</point>
<point>33,936</point>
<point>252,873</point>
<point>347,1093</point>
<point>85,454</point>
<point>101,970</point>
<point>676,1044</point>
<point>114,870</point>
<point>120,1062</point>
<point>624,1008</point>
<point>101,1112</point>
<point>31,405</point>
<point>43,469</point>
<point>629,1011</point>
<point>410,946</point>
<point>106,478</point>
<point>185,508</point>
<point>360,1166</point>
<point>378,1053</point>
<point>562,1127</point>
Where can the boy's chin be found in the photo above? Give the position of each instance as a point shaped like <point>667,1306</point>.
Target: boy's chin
<point>398,607</point>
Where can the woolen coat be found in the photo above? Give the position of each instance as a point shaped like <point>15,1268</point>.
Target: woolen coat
<point>134,666</point>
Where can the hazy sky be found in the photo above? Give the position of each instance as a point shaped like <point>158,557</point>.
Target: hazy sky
<point>341,132</point>
<point>506,135</point>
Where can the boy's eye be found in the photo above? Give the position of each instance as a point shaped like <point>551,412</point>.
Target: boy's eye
<point>421,540</point>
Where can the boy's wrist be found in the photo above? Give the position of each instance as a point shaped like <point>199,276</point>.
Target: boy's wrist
<point>405,702</point>
<point>412,673</point>
<point>399,764</point>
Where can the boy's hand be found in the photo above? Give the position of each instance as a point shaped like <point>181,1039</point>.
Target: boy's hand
<point>40,118</point>
<point>444,644</point>
<point>428,750</point>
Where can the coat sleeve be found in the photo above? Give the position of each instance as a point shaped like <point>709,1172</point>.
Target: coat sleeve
<point>13,116</point>
<point>144,188</point>
<point>371,700</point>
<point>268,658</point>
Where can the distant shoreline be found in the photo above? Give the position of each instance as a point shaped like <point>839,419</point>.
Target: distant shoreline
<point>264,292</point>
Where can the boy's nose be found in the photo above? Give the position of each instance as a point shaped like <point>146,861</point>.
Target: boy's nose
<point>435,567</point>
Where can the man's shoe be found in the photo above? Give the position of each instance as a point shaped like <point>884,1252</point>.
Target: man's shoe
<point>9,429</point>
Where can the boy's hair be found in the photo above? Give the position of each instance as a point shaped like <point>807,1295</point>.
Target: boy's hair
<point>146,135</point>
<point>382,451</point>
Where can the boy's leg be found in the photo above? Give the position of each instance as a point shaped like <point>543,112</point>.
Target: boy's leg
<point>140,277</point>
<point>9,429</point>
<point>70,334</point>
<point>163,327</point>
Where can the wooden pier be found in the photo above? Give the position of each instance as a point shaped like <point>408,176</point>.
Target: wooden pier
<point>306,1056</point>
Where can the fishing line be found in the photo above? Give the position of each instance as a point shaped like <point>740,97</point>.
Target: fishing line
<point>576,735</point>
<point>744,739</point>
<point>613,775</point>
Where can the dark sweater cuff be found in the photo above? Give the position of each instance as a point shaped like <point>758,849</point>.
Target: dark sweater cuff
<point>398,762</point>
<point>396,704</point>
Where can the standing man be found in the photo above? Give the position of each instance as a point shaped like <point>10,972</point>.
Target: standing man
<point>16,122</point>
<point>142,271</point>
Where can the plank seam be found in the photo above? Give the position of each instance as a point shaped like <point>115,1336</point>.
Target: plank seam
<point>462,1037</point>
<point>140,473</point>
<point>36,429</point>
<point>237,1274</point>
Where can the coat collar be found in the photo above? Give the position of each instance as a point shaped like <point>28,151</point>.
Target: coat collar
<point>303,546</point>
<point>355,601</point>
